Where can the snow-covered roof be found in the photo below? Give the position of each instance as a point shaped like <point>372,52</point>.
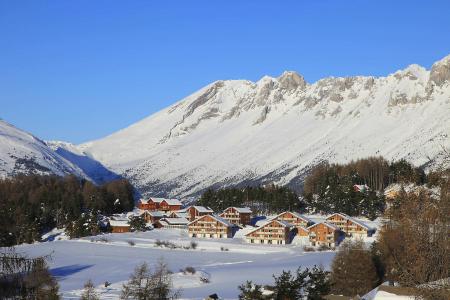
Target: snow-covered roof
<point>175,221</point>
<point>351,219</point>
<point>180,214</point>
<point>156,200</point>
<point>203,209</point>
<point>282,223</point>
<point>296,215</point>
<point>242,210</point>
<point>330,225</point>
<point>172,201</point>
<point>215,217</point>
<point>119,223</point>
<point>155,213</point>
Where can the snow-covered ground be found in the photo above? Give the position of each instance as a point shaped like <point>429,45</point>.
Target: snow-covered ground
<point>76,261</point>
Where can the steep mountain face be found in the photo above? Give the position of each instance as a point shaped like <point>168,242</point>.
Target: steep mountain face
<point>240,132</point>
<point>23,153</point>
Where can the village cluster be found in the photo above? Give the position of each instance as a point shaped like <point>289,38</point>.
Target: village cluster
<point>203,222</point>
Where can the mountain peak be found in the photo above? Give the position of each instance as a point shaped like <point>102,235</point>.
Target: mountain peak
<point>291,80</point>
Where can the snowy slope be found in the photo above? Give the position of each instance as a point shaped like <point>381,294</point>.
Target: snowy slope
<point>21,152</point>
<point>273,130</point>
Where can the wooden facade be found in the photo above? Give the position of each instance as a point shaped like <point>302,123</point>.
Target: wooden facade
<point>210,226</point>
<point>324,233</point>
<point>349,225</point>
<point>273,232</point>
<point>237,215</point>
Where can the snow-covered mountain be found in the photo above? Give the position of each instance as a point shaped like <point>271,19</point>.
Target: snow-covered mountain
<point>23,153</point>
<point>274,130</point>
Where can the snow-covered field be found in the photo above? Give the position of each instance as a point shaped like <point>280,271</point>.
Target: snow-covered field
<point>76,261</point>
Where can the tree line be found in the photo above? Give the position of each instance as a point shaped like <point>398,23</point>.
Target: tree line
<point>33,204</point>
<point>328,188</point>
<point>262,200</point>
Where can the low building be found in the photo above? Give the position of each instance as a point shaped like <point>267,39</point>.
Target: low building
<point>162,204</point>
<point>119,226</point>
<point>152,216</point>
<point>273,232</point>
<point>295,219</point>
<point>324,233</point>
<point>237,215</point>
<point>349,225</point>
<point>196,211</point>
<point>176,223</point>
<point>210,226</point>
<point>178,214</point>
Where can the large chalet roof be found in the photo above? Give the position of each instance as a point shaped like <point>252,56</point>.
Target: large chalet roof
<point>347,217</point>
<point>242,210</point>
<point>296,215</point>
<point>282,223</point>
<point>215,217</point>
<point>328,224</point>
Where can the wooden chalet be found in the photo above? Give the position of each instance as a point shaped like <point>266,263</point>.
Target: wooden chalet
<point>237,215</point>
<point>273,232</point>
<point>170,205</point>
<point>162,204</point>
<point>152,216</point>
<point>349,225</point>
<point>324,233</point>
<point>119,226</point>
<point>210,226</point>
<point>295,219</point>
<point>176,223</point>
<point>195,212</point>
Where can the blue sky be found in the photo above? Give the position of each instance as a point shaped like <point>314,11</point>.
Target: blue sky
<point>80,70</point>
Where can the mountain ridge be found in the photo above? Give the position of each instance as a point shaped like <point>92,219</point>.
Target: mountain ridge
<point>236,131</point>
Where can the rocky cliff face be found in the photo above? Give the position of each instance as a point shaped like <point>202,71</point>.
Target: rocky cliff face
<point>238,132</point>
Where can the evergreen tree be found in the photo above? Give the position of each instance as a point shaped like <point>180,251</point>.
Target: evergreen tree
<point>137,223</point>
<point>250,291</point>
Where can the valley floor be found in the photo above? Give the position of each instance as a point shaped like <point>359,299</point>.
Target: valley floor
<point>75,261</point>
